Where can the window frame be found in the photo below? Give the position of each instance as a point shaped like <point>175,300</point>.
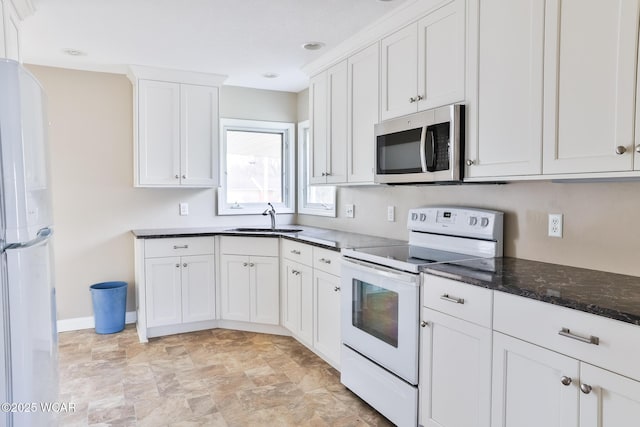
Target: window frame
<point>304,208</point>
<point>288,165</point>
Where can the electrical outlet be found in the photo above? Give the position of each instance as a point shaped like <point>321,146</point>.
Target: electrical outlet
<point>555,225</point>
<point>391,213</point>
<point>184,209</point>
<point>349,211</point>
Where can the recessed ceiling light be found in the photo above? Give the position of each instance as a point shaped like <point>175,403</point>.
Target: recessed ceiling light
<point>270,75</point>
<point>74,52</point>
<point>313,45</point>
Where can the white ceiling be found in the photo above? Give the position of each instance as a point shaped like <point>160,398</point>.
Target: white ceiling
<point>239,38</point>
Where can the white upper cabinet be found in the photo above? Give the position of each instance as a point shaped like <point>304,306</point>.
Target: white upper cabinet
<point>399,73</point>
<point>506,73</point>
<point>423,64</point>
<point>176,128</point>
<point>363,98</point>
<point>590,85</point>
<point>328,121</point>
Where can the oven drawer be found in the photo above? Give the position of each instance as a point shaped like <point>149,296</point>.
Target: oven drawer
<point>541,323</point>
<point>178,246</point>
<point>327,260</point>
<point>461,300</point>
<point>298,252</point>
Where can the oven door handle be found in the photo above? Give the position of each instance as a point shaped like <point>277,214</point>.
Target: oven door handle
<point>383,271</point>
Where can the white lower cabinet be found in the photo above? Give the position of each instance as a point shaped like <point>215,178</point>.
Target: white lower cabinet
<point>175,285</point>
<point>310,284</point>
<point>297,284</point>
<point>455,374</point>
<point>250,280</point>
<point>528,387</point>
<point>326,330</point>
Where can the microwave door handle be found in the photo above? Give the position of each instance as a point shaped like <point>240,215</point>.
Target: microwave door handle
<point>430,152</point>
<point>423,149</point>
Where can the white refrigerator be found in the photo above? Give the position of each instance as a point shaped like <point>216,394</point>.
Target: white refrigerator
<point>28,335</point>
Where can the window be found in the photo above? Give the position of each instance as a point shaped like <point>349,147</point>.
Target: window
<point>256,164</point>
<point>316,199</point>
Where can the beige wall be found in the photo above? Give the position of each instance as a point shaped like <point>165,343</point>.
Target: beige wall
<point>599,218</point>
<point>95,203</point>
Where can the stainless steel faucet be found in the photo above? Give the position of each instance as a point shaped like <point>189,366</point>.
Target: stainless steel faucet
<point>272,213</point>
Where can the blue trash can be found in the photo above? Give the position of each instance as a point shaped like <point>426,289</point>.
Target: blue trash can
<point>109,306</point>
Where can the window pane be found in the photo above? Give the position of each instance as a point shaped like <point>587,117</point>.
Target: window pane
<point>321,194</point>
<point>254,167</point>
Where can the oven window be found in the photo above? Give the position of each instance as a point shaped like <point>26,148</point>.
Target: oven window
<point>375,311</point>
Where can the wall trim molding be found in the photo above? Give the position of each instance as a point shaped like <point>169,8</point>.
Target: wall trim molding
<point>78,323</point>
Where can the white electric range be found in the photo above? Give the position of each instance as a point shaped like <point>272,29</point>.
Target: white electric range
<point>381,301</point>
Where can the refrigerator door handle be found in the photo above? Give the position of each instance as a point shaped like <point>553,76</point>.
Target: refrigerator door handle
<point>42,235</point>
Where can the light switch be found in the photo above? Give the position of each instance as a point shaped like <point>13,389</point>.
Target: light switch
<point>184,209</point>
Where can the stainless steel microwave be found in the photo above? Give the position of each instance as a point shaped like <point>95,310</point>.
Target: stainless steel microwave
<point>421,148</point>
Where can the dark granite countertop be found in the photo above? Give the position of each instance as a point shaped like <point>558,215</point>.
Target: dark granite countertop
<point>322,237</point>
<point>611,295</point>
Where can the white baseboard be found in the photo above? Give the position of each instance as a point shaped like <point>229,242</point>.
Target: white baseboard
<point>78,323</point>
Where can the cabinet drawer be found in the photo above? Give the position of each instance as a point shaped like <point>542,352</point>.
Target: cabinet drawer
<point>178,246</point>
<point>298,252</point>
<point>261,246</point>
<point>326,260</point>
<point>540,323</point>
<point>467,302</point>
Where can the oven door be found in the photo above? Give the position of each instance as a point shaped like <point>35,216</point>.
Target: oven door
<point>380,316</point>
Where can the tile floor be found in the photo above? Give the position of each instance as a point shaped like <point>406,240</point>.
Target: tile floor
<point>210,378</point>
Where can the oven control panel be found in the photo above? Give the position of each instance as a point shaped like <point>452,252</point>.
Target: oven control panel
<point>457,221</point>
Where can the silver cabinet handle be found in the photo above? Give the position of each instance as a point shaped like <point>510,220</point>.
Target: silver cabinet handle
<point>585,388</point>
<point>419,98</point>
<point>295,252</point>
<point>185,264</point>
<point>251,264</point>
<point>324,174</point>
<point>412,100</point>
<point>446,297</point>
<point>324,260</point>
<point>327,173</point>
<point>244,264</point>
<point>177,176</point>
<point>296,272</point>
<point>470,162</point>
<point>565,332</point>
<point>184,176</point>
<point>565,380</point>
<point>424,324</point>
<point>177,265</point>
<point>638,148</point>
<point>621,149</point>
<point>336,289</point>
<point>181,247</point>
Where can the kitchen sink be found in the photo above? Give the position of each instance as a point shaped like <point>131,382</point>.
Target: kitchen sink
<point>266,230</point>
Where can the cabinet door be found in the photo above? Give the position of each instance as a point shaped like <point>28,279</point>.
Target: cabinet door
<point>505,135</point>
<point>326,295</point>
<point>527,385</point>
<point>441,56</point>
<point>318,122</point>
<point>590,82</point>
<point>198,288</point>
<point>337,101</point>
<point>265,292</point>
<point>455,371</point>
<point>163,291</point>
<point>290,285</point>
<point>614,400</point>
<point>158,133</point>
<point>199,135</point>
<point>363,97</point>
<point>235,287</point>
<point>399,73</point>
